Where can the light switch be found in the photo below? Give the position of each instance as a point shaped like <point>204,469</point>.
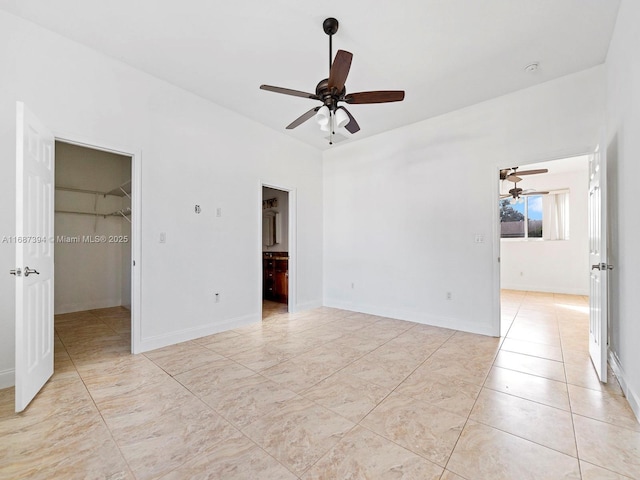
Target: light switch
<point>479,238</point>
<point>163,237</point>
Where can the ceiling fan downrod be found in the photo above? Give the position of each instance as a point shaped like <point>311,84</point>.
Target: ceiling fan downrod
<point>330,27</point>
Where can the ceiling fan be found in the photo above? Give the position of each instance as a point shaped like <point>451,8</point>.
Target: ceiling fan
<point>331,90</point>
<point>514,176</point>
<point>515,193</point>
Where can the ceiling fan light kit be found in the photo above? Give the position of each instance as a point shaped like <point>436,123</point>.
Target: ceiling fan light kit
<point>332,90</point>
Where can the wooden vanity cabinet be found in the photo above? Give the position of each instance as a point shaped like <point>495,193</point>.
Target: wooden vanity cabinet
<point>275,279</point>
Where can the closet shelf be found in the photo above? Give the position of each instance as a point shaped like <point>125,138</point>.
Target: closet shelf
<point>120,191</point>
<point>125,213</point>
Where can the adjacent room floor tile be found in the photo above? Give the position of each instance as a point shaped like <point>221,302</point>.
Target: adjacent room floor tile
<point>484,452</point>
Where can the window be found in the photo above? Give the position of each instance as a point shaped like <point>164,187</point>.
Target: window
<point>536,216</point>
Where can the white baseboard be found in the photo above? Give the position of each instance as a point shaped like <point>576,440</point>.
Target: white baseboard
<point>301,307</point>
<point>632,397</point>
<point>7,378</point>
<point>544,289</point>
<point>164,340</point>
<point>81,307</point>
<point>417,317</point>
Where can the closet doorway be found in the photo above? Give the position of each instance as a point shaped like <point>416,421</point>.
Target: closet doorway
<point>276,251</point>
<point>93,247</point>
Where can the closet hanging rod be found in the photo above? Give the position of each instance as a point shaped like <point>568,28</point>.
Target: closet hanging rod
<point>80,190</point>
<point>117,213</point>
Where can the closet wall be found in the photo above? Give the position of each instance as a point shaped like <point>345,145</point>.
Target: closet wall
<point>92,252</point>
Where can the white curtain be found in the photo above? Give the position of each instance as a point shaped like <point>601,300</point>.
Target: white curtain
<point>555,218</point>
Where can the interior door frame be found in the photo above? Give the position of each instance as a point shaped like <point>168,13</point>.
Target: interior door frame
<point>497,308</point>
<point>292,284</point>
<point>136,223</point>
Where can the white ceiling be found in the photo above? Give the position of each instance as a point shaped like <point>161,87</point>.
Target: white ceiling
<point>446,54</point>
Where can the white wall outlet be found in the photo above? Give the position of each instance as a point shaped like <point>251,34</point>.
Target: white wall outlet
<point>449,296</point>
<point>353,285</point>
<point>218,212</point>
<point>163,237</point>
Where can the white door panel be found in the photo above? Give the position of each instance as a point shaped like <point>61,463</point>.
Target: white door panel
<point>598,289</point>
<point>35,184</point>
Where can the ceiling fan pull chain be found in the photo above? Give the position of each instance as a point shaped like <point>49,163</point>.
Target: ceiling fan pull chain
<point>330,127</point>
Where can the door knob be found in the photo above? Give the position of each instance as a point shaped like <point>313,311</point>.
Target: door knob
<point>602,266</point>
<point>17,272</point>
<point>28,271</point>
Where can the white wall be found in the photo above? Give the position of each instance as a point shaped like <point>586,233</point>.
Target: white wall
<point>191,152</point>
<point>623,152</point>
<point>283,210</point>
<point>397,230</point>
<point>89,275</point>
<point>557,266</point>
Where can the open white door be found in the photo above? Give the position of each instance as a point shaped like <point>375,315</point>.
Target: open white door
<point>598,335</point>
<point>35,188</point>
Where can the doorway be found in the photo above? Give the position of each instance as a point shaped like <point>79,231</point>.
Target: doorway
<point>93,248</point>
<point>544,244</point>
<point>276,251</point>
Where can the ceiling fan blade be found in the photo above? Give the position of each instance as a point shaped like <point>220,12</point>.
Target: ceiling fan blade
<point>340,70</point>
<point>535,193</point>
<point>533,172</point>
<point>513,178</point>
<point>352,126</point>
<point>379,96</point>
<point>288,91</point>
<point>302,118</point>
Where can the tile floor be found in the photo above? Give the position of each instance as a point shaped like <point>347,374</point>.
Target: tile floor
<point>327,394</point>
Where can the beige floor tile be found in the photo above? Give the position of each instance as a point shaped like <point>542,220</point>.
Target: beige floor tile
<point>211,377</point>
<point>449,475</point>
<point>298,433</point>
<point>182,357</point>
<point>484,452</point>
<point>378,368</point>
<point>247,399</point>
<point>602,406</point>
<point>346,362</point>
<point>235,458</point>
<point>459,366</point>
<point>121,377</point>
<point>531,365</point>
<point>611,447</point>
<point>62,446</point>
<point>534,334</point>
<point>163,428</point>
<point>530,387</point>
<point>531,348</point>
<point>592,472</point>
<point>584,375</point>
<point>448,393</point>
<point>261,358</point>
<point>304,371</point>
<point>347,395</point>
<point>544,425</point>
<point>362,454</point>
<point>427,430</point>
